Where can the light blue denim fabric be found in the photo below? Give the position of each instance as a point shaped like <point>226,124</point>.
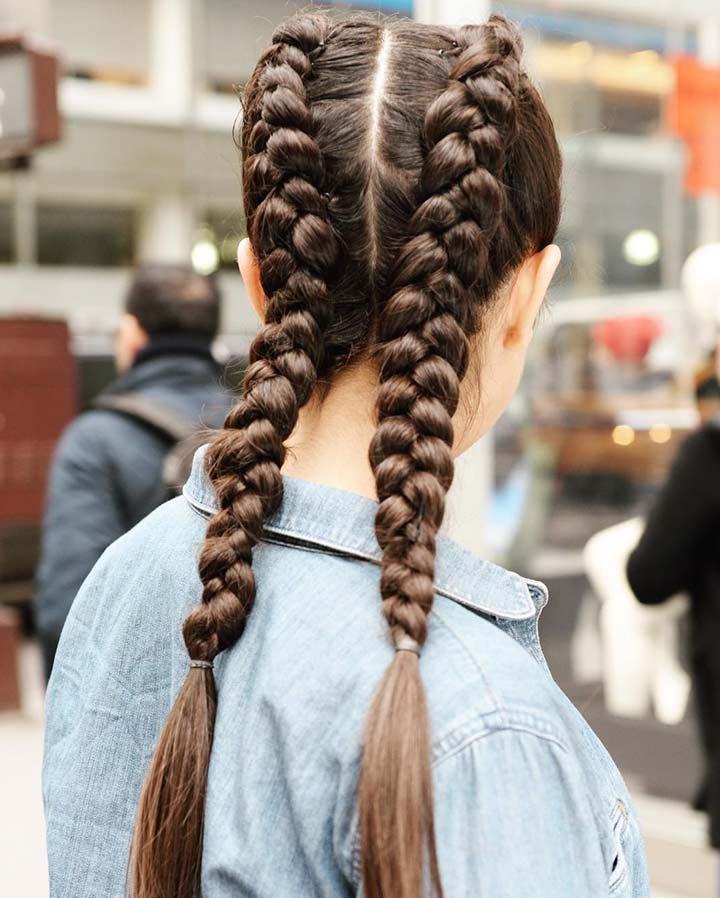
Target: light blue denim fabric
<point>527,802</point>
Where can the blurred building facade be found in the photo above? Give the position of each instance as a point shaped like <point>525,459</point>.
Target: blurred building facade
<point>147,167</point>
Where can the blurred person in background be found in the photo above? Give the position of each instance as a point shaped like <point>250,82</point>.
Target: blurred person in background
<point>107,473</point>
<point>346,702</point>
<point>679,552</point>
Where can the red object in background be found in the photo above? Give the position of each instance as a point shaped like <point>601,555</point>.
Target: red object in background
<point>38,397</point>
<point>694,115</point>
<point>29,114</point>
<point>9,659</point>
<point>628,338</point>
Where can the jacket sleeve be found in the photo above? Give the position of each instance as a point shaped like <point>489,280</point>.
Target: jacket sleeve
<point>666,559</point>
<point>83,515</point>
<point>514,817</point>
<point>107,698</point>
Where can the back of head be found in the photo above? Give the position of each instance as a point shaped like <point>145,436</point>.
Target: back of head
<point>174,299</point>
<point>395,176</point>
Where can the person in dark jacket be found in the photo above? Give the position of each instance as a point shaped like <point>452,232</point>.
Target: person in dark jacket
<point>679,552</point>
<point>106,473</point>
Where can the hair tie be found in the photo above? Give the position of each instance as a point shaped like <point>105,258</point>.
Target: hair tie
<point>206,665</point>
<point>407,644</point>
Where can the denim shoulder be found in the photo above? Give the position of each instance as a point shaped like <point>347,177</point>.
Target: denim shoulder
<point>124,619</point>
<point>515,763</point>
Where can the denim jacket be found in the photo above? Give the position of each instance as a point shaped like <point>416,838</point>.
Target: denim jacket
<point>527,802</point>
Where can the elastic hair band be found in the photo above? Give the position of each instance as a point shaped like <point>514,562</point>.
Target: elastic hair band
<point>207,665</point>
<point>407,644</point>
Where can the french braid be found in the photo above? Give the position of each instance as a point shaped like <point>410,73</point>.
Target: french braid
<point>423,357</point>
<point>297,251</point>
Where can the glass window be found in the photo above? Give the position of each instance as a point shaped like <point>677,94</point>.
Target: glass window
<point>589,88</point>
<point>7,237</point>
<point>108,41</point>
<point>86,235</point>
<point>236,33</point>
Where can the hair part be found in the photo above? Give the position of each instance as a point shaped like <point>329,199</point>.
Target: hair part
<point>384,220</point>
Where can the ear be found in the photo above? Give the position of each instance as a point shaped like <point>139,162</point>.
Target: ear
<point>250,271</point>
<point>527,295</point>
<point>130,339</point>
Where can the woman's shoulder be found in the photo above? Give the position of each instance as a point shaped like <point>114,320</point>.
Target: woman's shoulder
<point>485,674</point>
<point>125,620</point>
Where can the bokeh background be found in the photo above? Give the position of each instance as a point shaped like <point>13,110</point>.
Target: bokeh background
<point>143,168</point>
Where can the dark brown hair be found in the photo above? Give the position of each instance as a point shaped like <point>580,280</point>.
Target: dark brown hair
<point>174,299</point>
<point>395,175</point>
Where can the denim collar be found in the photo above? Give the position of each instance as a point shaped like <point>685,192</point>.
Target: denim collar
<point>341,522</point>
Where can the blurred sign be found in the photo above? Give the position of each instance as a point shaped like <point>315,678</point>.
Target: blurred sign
<point>28,99</point>
<point>694,114</point>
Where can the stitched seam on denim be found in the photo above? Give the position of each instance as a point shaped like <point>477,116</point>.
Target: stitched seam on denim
<point>351,552</point>
<point>198,510</point>
<point>348,552</point>
<point>196,503</point>
<point>539,587</point>
<point>487,721</point>
<point>504,728</point>
<point>435,613</point>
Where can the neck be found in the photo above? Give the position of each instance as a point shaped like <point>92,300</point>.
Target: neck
<point>330,442</point>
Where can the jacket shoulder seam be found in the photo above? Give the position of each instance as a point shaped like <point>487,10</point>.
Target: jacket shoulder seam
<point>508,720</point>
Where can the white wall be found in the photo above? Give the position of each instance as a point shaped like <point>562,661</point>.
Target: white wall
<point>102,33</point>
<point>91,299</point>
<point>237,32</point>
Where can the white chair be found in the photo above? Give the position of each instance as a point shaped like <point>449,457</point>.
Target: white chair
<point>633,647</point>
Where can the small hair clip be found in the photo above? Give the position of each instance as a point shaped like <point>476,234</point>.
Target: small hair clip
<point>407,644</point>
<point>316,51</point>
<point>205,665</point>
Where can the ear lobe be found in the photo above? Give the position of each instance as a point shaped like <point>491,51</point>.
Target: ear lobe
<point>528,293</point>
<point>250,272</point>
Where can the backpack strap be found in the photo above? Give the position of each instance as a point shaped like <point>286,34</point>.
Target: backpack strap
<point>155,415</point>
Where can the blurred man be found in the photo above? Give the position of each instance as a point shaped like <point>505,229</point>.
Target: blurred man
<point>107,473</point>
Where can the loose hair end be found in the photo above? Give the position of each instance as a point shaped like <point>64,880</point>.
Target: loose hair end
<point>395,802</point>
<point>166,850</point>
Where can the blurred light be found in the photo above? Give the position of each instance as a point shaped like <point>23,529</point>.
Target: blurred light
<point>641,247</point>
<point>205,256</point>
<point>660,433</point>
<point>623,435</point>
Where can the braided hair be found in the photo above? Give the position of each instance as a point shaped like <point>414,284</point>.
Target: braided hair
<point>297,249</point>
<point>384,221</point>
